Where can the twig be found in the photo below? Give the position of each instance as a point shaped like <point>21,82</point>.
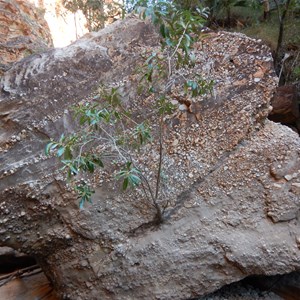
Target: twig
<point>149,188</point>
<point>175,51</point>
<point>17,273</point>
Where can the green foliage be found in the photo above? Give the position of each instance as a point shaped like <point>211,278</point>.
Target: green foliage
<point>224,9</point>
<point>93,11</point>
<point>96,12</point>
<point>296,73</point>
<point>164,106</point>
<point>198,87</point>
<point>100,121</point>
<point>84,193</point>
<point>108,133</point>
<point>142,134</point>
<point>130,176</point>
<point>177,27</point>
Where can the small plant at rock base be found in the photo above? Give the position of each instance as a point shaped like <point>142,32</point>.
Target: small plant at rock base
<point>109,134</point>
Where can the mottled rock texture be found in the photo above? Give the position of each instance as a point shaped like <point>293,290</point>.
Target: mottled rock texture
<point>233,181</point>
<point>285,105</point>
<point>23,31</point>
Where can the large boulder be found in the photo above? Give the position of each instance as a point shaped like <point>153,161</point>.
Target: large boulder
<point>233,180</point>
<point>23,31</point>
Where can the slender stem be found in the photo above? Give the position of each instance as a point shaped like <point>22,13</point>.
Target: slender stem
<point>9,277</point>
<point>158,180</point>
<point>179,41</point>
<point>160,162</point>
<point>281,30</point>
<point>160,158</point>
<point>114,144</point>
<point>144,190</point>
<point>149,188</point>
<point>83,145</point>
<point>124,114</point>
<point>175,51</point>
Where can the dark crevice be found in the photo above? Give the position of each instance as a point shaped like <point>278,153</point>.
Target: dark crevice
<point>284,286</point>
<point>13,261</point>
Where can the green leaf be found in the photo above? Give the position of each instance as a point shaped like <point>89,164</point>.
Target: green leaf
<point>125,183</point>
<point>67,153</point>
<point>169,42</point>
<point>164,31</point>
<point>62,138</point>
<point>117,115</point>
<point>99,162</point>
<point>85,193</point>
<point>50,146</point>
<point>134,180</point>
<point>81,203</point>
<point>90,166</point>
<point>82,120</point>
<point>60,151</point>
<point>74,170</point>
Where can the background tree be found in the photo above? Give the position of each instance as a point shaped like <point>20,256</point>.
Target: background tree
<point>222,9</point>
<point>93,10</point>
<point>96,12</point>
<point>281,18</point>
<point>266,5</point>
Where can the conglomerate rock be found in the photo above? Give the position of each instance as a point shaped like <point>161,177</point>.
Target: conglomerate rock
<point>233,180</point>
<point>23,31</point>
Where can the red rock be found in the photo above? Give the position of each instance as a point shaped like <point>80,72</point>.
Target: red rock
<point>285,105</point>
<point>23,31</point>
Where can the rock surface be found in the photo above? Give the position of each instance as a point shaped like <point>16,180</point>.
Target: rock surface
<point>285,106</point>
<point>23,31</point>
<point>233,177</point>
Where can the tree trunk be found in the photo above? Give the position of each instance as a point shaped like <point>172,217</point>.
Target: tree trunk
<point>281,32</point>
<point>266,4</point>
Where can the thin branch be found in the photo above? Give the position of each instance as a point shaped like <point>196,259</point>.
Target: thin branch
<point>278,10</point>
<point>160,157</point>
<point>114,144</point>
<point>18,273</point>
<point>83,145</point>
<point>149,188</point>
<point>175,51</point>
<point>179,41</point>
<point>144,190</point>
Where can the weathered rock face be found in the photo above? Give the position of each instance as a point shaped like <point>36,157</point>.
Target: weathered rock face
<point>233,177</point>
<point>23,31</point>
<point>285,105</point>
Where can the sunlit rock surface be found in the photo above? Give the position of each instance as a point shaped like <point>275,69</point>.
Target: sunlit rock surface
<point>23,31</point>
